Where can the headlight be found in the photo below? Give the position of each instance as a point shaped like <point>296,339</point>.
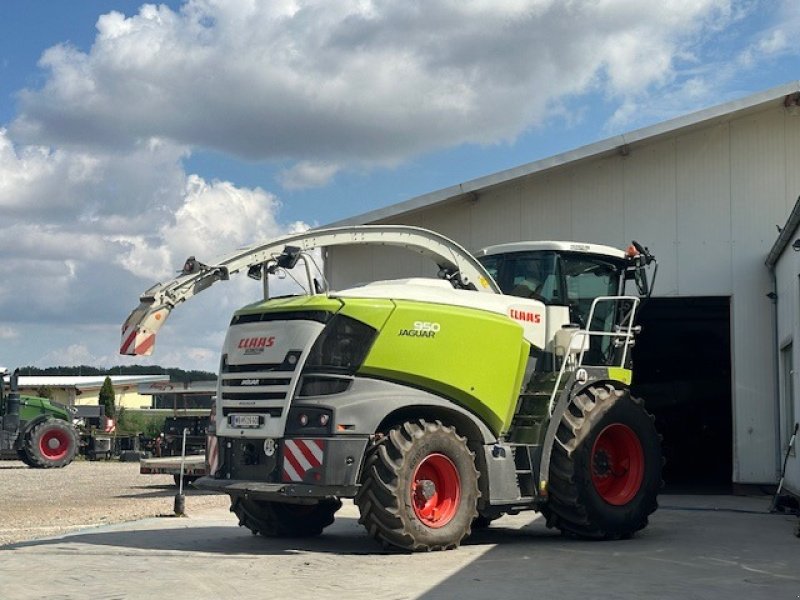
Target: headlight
<point>342,346</point>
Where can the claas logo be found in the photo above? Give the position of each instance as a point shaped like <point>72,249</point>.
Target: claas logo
<point>524,315</point>
<point>254,343</point>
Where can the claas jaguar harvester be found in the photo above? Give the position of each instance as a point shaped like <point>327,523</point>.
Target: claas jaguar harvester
<point>437,404</point>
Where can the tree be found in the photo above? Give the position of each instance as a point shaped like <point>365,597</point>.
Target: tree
<point>44,392</point>
<point>107,397</point>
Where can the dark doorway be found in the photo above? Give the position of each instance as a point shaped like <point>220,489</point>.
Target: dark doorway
<point>682,369</point>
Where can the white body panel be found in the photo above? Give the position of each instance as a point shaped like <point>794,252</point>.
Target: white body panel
<point>264,344</point>
<point>530,314</point>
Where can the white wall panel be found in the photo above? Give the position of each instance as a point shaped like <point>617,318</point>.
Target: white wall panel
<point>496,217</point>
<point>650,214</point>
<point>757,205</point>
<point>547,207</point>
<point>792,156</point>
<point>597,203</point>
<point>704,213</point>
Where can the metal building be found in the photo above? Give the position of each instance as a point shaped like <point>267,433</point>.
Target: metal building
<point>784,260</point>
<point>705,193</point>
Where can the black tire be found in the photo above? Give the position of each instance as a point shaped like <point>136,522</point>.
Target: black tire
<point>187,480</point>
<point>280,519</point>
<point>23,456</point>
<point>403,477</point>
<point>587,498</point>
<point>482,521</point>
<point>51,444</point>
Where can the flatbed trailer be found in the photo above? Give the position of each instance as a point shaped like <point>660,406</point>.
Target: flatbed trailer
<point>194,467</point>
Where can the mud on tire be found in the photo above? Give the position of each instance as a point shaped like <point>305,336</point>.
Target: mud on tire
<point>605,470</point>
<point>419,488</point>
<point>281,519</point>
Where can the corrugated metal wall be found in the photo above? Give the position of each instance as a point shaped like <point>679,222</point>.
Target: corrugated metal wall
<point>788,288</point>
<point>706,202</point>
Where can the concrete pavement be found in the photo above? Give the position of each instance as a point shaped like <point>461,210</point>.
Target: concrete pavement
<point>695,547</point>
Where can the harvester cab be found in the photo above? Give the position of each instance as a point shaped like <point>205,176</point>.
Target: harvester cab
<point>436,404</point>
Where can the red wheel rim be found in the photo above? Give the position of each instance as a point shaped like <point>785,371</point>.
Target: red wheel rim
<point>435,490</point>
<point>617,464</point>
<point>54,444</point>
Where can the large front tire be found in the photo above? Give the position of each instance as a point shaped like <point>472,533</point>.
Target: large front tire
<point>605,469</point>
<point>51,444</point>
<point>281,519</point>
<point>419,488</point>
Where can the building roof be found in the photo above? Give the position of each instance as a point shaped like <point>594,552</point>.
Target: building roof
<point>615,144</point>
<point>83,382</point>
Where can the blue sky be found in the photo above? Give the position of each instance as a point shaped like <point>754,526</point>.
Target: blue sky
<point>133,135</point>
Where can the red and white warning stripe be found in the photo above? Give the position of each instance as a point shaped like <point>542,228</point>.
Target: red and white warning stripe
<point>136,343</point>
<point>212,450</point>
<point>300,457</point>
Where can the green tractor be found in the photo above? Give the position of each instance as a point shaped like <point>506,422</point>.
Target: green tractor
<point>36,431</point>
<point>436,404</point>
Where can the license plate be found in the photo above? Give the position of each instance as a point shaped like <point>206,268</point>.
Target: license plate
<point>245,421</point>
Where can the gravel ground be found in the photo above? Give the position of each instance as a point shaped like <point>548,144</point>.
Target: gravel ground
<point>37,503</point>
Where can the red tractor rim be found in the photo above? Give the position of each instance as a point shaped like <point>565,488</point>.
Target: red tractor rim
<point>617,464</point>
<point>435,490</point>
<point>54,444</point>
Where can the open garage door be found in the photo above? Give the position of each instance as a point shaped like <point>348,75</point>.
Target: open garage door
<point>682,368</point>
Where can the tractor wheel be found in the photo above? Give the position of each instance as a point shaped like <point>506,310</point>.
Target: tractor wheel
<point>280,519</point>
<point>605,470</point>
<point>23,456</point>
<point>51,444</point>
<point>419,488</point>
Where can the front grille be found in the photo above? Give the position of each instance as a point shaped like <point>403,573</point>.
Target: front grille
<point>254,396</point>
<point>255,381</point>
<point>274,412</point>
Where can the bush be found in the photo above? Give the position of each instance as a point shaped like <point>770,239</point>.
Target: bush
<point>129,421</point>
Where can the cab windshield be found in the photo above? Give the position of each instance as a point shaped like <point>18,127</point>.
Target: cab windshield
<point>526,274</point>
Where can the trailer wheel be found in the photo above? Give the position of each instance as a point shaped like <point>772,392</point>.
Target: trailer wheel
<point>187,479</point>
<point>281,519</point>
<point>605,469</point>
<point>52,443</point>
<point>419,488</point>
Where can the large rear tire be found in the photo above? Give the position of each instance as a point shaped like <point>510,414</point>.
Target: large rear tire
<point>51,444</point>
<point>605,469</point>
<point>281,519</point>
<point>419,488</point>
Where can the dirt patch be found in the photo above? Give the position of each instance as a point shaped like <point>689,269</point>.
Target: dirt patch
<point>36,503</point>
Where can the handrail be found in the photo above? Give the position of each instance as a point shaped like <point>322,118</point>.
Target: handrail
<point>627,335</point>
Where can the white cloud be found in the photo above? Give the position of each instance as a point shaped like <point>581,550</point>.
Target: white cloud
<point>353,82</point>
<point>86,231</point>
<point>8,333</point>
<point>307,174</point>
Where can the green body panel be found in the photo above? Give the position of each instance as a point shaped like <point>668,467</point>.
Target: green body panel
<point>293,303</point>
<point>373,312</point>
<point>475,358</point>
<point>31,407</point>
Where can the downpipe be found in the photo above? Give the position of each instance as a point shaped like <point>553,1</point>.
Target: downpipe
<point>773,296</point>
